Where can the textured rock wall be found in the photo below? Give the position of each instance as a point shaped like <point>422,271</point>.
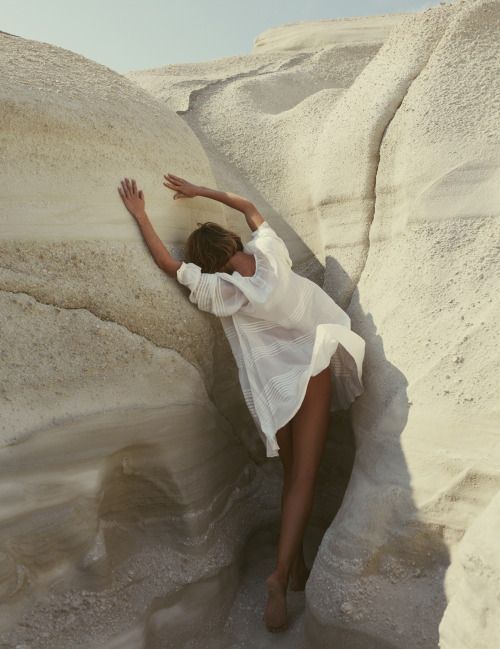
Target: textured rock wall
<point>126,448</point>
<point>121,479</point>
<point>471,618</point>
<point>386,171</point>
<point>260,117</point>
<point>130,474</point>
<point>427,460</point>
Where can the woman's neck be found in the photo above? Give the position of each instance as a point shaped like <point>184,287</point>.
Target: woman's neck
<point>242,262</point>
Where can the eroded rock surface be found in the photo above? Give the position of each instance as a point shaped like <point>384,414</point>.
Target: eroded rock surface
<point>122,476</point>
<point>395,190</point>
<point>134,495</point>
<point>427,459</point>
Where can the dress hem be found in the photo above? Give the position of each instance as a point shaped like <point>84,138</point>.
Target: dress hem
<point>324,349</point>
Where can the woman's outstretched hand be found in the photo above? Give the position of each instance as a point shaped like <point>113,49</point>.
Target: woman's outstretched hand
<point>132,198</point>
<point>183,188</point>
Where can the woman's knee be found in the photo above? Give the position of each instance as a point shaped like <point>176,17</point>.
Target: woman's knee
<point>304,476</point>
<point>309,434</point>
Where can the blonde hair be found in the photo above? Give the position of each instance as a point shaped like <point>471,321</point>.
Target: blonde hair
<point>210,246</point>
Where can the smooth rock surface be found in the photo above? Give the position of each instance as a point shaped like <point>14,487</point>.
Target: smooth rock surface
<point>316,34</point>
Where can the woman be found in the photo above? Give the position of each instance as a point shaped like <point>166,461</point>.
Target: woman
<point>288,338</point>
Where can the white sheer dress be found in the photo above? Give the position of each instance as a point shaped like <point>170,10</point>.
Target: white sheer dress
<point>282,328</point>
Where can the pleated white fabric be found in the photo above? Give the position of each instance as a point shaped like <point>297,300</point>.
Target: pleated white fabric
<point>282,328</point>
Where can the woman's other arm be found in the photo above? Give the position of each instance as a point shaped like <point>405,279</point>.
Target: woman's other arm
<point>185,189</point>
<point>135,204</point>
<point>160,254</point>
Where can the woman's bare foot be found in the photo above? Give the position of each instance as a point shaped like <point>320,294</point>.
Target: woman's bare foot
<point>299,575</point>
<point>275,614</point>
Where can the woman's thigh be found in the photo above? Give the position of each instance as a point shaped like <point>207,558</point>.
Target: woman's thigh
<point>285,452</point>
<point>310,426</point>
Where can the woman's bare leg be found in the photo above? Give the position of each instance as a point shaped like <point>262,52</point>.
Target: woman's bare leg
<point>299,571</point>
<point>309,433</point>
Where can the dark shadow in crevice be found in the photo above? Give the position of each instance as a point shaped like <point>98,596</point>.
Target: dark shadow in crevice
<point>403,559</point>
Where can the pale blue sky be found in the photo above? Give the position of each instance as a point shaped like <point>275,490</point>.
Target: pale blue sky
<point>132,35</point>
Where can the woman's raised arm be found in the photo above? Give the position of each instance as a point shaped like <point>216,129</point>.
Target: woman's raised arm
<point>185,189</point>
<point>133,200</point>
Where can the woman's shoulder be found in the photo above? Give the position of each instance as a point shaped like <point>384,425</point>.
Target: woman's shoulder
<point>266,239</point>
<point>264,229</point>
<point>265,280</point>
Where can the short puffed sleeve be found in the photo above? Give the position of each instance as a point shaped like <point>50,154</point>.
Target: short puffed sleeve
<point>266,236</point>
<point>211,292</point>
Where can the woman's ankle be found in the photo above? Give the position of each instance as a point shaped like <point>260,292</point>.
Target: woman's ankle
<point>282,575</point>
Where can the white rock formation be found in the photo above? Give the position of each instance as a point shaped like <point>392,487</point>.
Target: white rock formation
<point>395,188</point>
<point>130,474</point>
<point>424,186</point>
<point>471,620</point>
<point>119,465</point>
<point>314,35</point>
<point>276,100</point>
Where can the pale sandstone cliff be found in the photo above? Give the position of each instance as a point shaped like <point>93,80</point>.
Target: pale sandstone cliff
<point>130,475</point>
